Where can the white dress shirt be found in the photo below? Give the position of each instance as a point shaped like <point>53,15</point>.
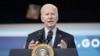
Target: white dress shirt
<point>54,34</point>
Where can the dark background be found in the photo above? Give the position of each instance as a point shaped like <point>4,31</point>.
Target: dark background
<point>70,11</point>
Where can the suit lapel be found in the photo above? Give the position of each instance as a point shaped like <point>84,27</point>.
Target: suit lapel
<point>57,39</point>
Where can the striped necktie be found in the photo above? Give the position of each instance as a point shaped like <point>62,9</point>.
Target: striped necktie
<point>49,38</point>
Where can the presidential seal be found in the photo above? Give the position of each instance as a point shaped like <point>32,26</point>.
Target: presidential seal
<point>42,50</point>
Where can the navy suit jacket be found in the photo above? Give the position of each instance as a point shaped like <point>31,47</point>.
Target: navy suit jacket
<point>68,38</point>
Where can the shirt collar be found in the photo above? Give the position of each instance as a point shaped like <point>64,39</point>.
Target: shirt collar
<point>53,30</point>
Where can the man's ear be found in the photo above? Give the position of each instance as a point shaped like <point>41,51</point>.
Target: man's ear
<point>42,19</point>
<point>57,19</point>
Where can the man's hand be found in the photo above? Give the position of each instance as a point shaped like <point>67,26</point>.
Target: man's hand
<point>63,44</point>
<point>32,44</point>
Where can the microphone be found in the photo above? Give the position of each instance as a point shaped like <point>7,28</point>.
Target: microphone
<point>49,37</point>
<point>40,37</point>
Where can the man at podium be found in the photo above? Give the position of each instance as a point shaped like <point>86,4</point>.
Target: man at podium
<point>50,33</point>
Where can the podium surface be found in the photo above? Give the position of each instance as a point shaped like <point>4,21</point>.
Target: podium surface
<point>57,52</point>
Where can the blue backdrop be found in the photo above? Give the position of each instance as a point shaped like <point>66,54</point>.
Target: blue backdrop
<point>87,41</point>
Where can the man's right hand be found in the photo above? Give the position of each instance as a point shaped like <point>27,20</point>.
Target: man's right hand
<point>32,44</point>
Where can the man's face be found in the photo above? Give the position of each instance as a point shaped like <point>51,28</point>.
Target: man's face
<point>49,17</point>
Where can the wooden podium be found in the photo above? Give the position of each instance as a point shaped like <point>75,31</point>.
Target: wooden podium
<point>57,52</point>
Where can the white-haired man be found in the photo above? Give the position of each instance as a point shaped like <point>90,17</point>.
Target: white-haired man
<point>60,39</point>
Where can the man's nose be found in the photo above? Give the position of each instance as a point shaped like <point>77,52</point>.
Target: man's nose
<point>50,16</point>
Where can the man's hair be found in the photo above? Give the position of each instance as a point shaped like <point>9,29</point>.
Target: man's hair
<point>49,5</point>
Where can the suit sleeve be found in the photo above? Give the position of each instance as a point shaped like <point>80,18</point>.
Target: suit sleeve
<point>32,36</point>
<point>72,43</point>
<point>69,39</point>
<point>27,41</point>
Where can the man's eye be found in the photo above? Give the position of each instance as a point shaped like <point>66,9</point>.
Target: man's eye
<point>52,13</point>
<point>46,14</point>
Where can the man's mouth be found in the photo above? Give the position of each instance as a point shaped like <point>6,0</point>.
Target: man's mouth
<point>50,21</point>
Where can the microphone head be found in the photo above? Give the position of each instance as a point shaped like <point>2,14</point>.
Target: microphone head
<point>40,37</point>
